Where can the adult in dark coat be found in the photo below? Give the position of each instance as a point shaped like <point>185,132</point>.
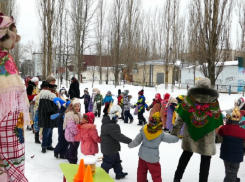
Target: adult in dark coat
<point>111,137</point>
<point>62,145</point>
<point>47,108</point>
<point>74,90</point>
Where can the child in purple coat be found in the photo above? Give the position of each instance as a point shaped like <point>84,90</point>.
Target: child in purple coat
<point>172,103</point>
<point>71,125</point>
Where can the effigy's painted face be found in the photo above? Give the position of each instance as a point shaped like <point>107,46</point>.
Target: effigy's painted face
<point>12,40</point>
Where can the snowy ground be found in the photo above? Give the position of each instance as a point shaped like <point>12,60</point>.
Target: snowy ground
<point>45,167</point>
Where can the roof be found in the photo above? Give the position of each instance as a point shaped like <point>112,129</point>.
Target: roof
<point>226,63</point>
<point>94,60</point>
<point>159,62</point>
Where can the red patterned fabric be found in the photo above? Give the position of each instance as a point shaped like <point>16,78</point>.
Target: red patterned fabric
<point>11,151</point>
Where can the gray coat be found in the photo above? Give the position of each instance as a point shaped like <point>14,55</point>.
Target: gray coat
<point>205,145</point>
<point>149,150</point>
<point>111,136</point>
<point>126,103</point>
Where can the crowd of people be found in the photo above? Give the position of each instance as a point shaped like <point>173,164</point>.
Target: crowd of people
<point>194,117</point>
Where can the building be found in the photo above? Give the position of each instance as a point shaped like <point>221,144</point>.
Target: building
<point>152,72</point>
<point>232,76</point>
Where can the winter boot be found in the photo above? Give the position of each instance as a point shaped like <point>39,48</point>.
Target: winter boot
<point>176,180</point>
<point>44,150</point>
<point>131,120</point>
<point>50,148</point>
<point>121,175</point>
<point>37,138</point>
<point>238,180</point>
<point>56,155</point>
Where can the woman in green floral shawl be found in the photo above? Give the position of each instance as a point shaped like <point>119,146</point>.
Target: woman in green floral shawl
<point>201,114</point>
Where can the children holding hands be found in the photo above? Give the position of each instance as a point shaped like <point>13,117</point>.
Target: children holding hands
<point>151,136</point>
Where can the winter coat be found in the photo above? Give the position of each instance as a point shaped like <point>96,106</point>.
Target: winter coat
<point>111,136</point>
<point>163,112</point>
<point>156,107</point>
<point>126,103</point>
<point>89,138</point>
<point>119,100</point>
<point>108,99</point>
<point>46,108</point>
<point>170,114</point>
<point>98,99</point>
<point>32,90</point>
<point>91,102</point>
<point>231,149</point>
<point>71,129</point>
<point>205,145</point>
<point>149,149</point>
<point>86,98</point>
<point>141,104</point>
<point>74,90</point>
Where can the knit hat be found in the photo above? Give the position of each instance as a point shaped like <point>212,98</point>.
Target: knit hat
<point>166,96</point>
<point>50,78</point>
<point>173,100</point>
<point>89,117</point>
<point>34,79</point>
<point>86,90</point>
<point>203,83</point>
<point>141,92</point>
<point>75,101</point>
<point>94,90</point>
<point>109,92</point>
<point>126,92</point>
<point>73,78</point>
<point>155,123</point>
<point>180,98</point>
<point>114,111</point>
<point>62,89</point>
<point>119,92</point>
<point>240,102</point>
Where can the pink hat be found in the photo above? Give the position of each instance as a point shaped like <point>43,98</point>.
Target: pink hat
<point>5,23</point>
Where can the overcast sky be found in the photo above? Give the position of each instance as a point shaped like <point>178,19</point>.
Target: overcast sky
<point>29,26</point>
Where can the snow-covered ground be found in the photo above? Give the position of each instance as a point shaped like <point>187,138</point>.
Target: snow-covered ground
<point>45,167</point>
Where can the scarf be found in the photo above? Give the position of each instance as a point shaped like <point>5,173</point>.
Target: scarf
<point>201,118</point>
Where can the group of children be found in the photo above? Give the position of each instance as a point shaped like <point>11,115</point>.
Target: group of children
<point>75,129</point>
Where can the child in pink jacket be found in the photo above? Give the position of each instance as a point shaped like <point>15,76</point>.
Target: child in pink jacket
<point>72,120</point>
<point>88,135</point>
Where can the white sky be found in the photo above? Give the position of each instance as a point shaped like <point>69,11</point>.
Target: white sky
<point>29,26</point>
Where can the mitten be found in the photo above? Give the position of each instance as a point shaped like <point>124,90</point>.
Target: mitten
<point>54,116</point>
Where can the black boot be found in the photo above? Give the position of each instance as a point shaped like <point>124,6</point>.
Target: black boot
<point>44,150</point>
<point>121,175</point>
<point>37,138</point>
<point>56,155</point>
<point>176,180</point>
<point>131,120</point>
<point>50,148</point>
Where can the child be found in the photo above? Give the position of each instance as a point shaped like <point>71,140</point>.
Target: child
<point>86,98</point>
<point>156,105</point>
<point>171,109</point>
<point>151,135</point>
<point>140,108</point>
<point>62,145</point>
<point>164,110</point>
<point>110,137</point>
<point>108,99</point>
<point>91,102</point>
<point>231,150</point>
<point>126,107</point>
<point>120,102</point>
<point>88,135</point>
<point>98,100</point>
<point>72,119</point>
<point>63,93</point>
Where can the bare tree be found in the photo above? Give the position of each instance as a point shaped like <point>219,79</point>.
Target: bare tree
<point>212,20</point>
